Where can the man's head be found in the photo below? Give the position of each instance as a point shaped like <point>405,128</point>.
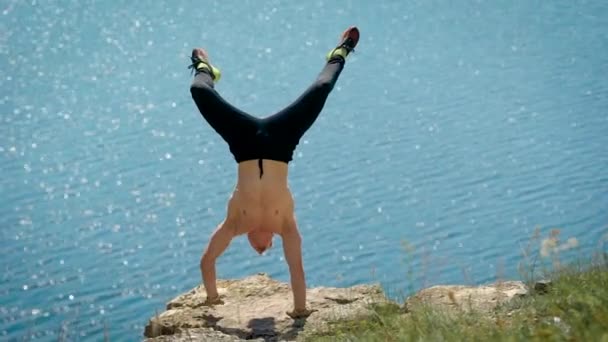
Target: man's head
<point>260,241</point>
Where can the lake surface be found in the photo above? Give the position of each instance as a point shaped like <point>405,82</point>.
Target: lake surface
<point>454,131</point>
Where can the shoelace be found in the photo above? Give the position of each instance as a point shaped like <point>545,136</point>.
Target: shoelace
<point>195,61</point>
<point>347,44</point>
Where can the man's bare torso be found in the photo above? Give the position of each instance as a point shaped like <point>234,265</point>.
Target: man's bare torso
<point>261,206</point>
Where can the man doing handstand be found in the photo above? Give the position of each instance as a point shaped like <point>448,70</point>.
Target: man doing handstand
<point>261,204</point>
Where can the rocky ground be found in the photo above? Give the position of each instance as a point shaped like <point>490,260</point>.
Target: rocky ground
<point>254,309</point>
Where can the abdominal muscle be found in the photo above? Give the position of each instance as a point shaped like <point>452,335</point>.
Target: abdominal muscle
<point>261,204</point>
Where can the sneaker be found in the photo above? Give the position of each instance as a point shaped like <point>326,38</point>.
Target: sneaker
<point>349,40</point>
<point>200,63</point>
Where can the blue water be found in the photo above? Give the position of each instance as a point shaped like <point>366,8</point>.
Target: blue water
<point>455,128</point>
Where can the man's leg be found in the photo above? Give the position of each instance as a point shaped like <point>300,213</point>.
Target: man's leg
<point>224,118</point>
<point>296,119</point>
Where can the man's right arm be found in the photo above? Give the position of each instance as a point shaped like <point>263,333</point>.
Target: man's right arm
<point>217,244</point>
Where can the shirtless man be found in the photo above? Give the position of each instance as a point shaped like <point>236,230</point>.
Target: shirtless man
<point>261,204</point>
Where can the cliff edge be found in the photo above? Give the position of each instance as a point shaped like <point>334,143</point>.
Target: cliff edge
<point>254,309</point>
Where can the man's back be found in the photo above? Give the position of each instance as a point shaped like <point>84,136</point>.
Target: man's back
<point>261,204</point>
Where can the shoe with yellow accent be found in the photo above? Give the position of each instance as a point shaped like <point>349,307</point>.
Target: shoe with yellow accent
<point>200,63</point>
<point>349,40</point>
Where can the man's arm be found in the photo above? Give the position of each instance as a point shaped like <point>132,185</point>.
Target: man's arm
<point>217,244</point>
<point>292,248</point>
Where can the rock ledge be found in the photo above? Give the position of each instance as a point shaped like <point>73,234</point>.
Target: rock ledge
<point>254,309</point>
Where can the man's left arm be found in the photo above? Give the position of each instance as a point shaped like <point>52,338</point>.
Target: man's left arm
<point>292,248</point>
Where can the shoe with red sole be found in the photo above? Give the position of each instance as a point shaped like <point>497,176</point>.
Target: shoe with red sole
<point>348,41</point>
<point>200,63</point>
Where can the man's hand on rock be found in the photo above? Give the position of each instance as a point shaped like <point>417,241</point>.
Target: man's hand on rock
<point>300,313</point>
<point>210,301</point>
